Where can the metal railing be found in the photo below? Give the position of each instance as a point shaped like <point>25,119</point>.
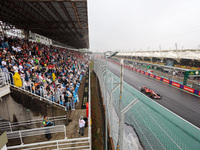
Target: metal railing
<point>76,143</point>
<point>36,131</point>
<point>156,127</point>
<point>13,126</point>
<point>7,79</point>
<point>4,79</point>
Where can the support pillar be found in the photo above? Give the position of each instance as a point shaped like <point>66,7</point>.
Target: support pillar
<point>26,34</point>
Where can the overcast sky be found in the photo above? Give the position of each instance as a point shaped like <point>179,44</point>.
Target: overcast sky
<point>138,24</point>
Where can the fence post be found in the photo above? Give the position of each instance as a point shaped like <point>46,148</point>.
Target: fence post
<point>20,136</point>
<point>9,79</point>
<point>43,91</point>
<point>65,132</point>
<point>10,126</point>
<point>23,83</point>
<point>57,145</point>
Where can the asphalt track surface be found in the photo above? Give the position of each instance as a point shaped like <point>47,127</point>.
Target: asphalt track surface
<point>181,103</point>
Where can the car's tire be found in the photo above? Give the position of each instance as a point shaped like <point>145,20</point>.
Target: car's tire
<point>142,89</point>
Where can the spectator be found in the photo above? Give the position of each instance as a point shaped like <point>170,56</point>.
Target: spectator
<point>17,80</point>
<point>27,86</point>
<point>47,123</point>
<point>5,69</point>
<point>15,67</point>
<point>81,126</point>
<point>56,71</point>
<point>66,101</point>
<point>3,62</point>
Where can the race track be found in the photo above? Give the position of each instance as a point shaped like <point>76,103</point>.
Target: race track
<point>181,103</point>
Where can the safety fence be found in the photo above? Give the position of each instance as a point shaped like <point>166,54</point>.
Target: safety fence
<point>36,131</point>
<point>29,124</point>
<point>157,127</point>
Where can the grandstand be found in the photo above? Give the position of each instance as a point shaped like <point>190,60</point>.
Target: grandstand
<point>185,57</point>
<point>43,73</point>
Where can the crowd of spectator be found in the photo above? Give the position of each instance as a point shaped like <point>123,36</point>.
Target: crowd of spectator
<point>52,72</point>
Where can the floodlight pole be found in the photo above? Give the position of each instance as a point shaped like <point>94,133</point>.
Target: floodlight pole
<point>120,99</point>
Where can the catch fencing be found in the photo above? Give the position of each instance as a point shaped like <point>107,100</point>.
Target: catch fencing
<point>156,127</point>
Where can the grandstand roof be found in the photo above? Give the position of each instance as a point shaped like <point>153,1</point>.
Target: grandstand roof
<point>65,21</point>
<point>177,55</point>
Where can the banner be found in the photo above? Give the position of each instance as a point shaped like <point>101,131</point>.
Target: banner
<point>188,89</point>
<point>158,78</point>
<point>165,80</point>
<point>176,84</point>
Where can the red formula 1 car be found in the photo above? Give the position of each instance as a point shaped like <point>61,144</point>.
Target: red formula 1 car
<point>150,93</point>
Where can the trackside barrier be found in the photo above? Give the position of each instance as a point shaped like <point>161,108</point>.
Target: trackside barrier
<point>175,84</point>
<point>36,131</point>
<point>156,127</point>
